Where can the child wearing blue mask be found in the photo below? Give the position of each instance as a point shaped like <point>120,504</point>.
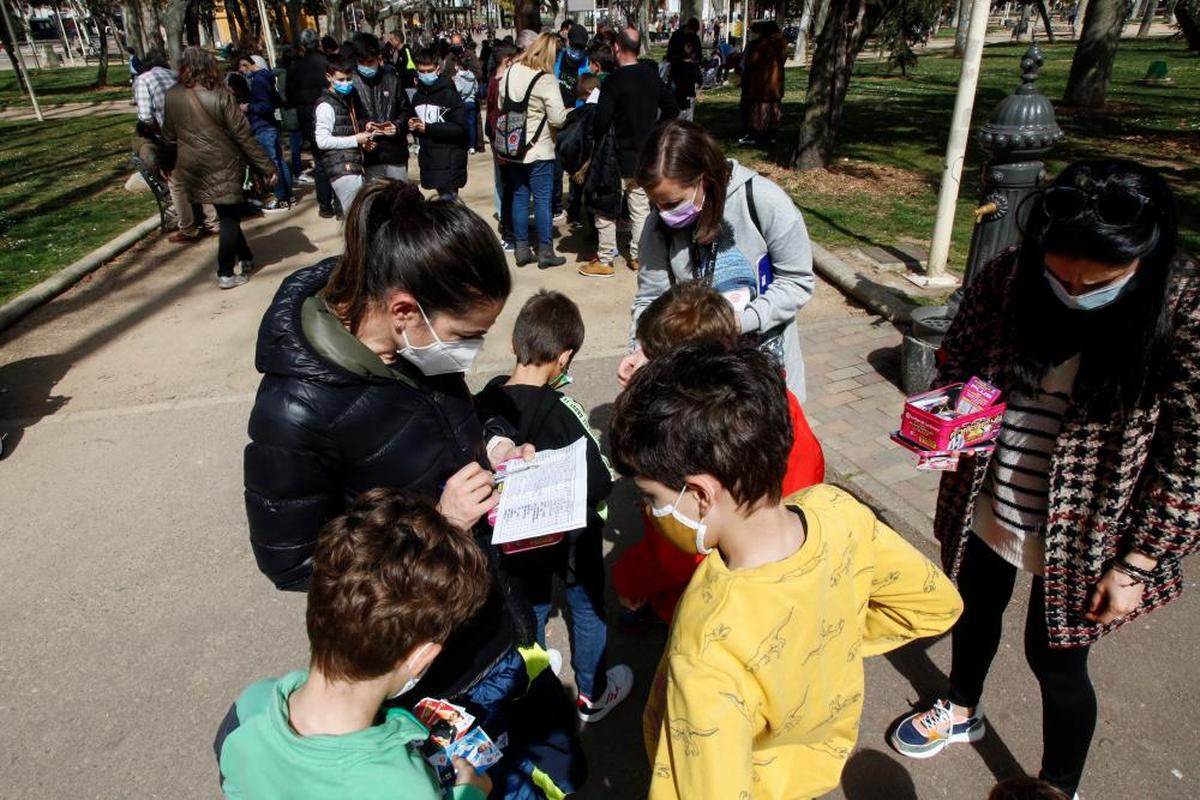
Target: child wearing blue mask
<point>341,136</point>
<point>440,125</point>
<point>386,110</point>
<point>547,336</point>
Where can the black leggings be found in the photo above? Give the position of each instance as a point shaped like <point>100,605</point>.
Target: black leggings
<point>1068,698</point>
<point>231,244</point>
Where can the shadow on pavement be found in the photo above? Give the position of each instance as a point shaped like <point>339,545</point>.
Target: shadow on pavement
<point>886,362</point>
<point>26,388</point>
<point>873,775</point>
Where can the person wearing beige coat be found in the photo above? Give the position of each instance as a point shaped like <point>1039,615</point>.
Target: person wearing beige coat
<point>533,177</point>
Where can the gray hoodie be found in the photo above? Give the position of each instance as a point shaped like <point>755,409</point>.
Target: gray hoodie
<point>739,249</point>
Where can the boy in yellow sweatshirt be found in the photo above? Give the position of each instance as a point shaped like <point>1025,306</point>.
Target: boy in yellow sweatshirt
<point>760,689</point>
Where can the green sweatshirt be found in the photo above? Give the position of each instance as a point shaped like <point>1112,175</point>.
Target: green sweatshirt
<point>261,757</point>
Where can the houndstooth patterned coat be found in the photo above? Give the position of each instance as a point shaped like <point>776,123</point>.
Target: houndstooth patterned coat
<point>1115,484</point>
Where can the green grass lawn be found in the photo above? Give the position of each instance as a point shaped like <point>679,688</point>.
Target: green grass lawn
<point>61,194</point>
<point>68,85</point>
<point>883,190</point>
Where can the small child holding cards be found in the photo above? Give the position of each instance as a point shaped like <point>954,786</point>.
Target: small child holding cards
<point>547,336</point>
<point>391,579</point>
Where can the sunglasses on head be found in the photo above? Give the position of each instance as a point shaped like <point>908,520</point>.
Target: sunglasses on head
<point>1110,206</point>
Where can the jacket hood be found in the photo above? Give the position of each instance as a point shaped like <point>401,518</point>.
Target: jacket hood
<point>284,345</point>
<point>738,177</point>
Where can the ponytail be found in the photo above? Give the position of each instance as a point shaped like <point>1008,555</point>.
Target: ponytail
<point>440,252</point>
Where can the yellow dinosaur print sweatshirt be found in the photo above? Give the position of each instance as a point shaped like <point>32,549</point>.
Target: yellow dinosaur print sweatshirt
<point>760,690</point>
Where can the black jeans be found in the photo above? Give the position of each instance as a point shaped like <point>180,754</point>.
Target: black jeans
<point>231,244</point>
<point>1068,699</point>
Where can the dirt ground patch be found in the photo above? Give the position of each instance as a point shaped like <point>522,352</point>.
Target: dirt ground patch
<point>849,177</point>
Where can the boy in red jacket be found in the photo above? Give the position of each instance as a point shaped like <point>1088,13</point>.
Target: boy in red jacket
<point>652,574</point>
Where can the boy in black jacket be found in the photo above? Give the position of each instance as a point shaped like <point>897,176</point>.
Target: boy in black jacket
<point>386,110</point>
<point>547,335</point>
<point>440,124</point>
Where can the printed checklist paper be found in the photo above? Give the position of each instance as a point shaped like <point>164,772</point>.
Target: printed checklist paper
<point>548,496</point>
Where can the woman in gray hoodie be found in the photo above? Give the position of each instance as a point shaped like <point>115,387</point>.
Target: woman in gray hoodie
<point>715,221</point>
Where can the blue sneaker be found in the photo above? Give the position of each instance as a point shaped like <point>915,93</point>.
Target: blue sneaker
<point>926,733</point>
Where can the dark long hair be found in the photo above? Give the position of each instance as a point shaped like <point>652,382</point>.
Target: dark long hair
<point>1123,345</point>
<point>439,251</point>
<point>684,152</point>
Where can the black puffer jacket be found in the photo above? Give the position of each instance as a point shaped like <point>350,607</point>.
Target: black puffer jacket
<point>323,431</point>
<point>383,99</point>
<point>443,155</point>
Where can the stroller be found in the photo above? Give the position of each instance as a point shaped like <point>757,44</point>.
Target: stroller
<point>712,72</point>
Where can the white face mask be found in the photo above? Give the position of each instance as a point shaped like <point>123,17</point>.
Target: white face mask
<point>681,530</point>
<point>413,681</point>
<point>1090,301</point>
<point>441,358</point>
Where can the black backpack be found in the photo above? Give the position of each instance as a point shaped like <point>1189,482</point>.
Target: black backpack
<point>512,140</point>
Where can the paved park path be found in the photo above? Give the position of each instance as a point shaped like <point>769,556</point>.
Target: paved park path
<point>132,613</point>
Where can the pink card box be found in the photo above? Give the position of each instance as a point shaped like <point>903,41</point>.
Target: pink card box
<point>930,431</point>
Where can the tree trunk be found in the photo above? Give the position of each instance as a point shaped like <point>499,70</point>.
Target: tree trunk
<point>334,20</point>
<point>527,15</point>
<point>843,37</point>
<point>191,25</point>
<point>822,17</point>
<point>103,22</point>
<point>237,21</point>
<point>1189,24</point>
<point>134,36</point>
<point>1147,19</point>
<point>1094,55</point>
<point>10,48</point>
<point>1044,13</point>
<point>801,53</point>
<point>294,8</point>
<point>174,14</point>
<point>962,16</point>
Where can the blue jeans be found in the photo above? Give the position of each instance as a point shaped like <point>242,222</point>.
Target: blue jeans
<point>579,563</point>
<point>527,181</point>
<point>472,122</point>
<point>269,139</point>
<point>296,140</point>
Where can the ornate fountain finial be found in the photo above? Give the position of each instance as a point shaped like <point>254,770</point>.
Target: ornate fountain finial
<point>1023,125</point>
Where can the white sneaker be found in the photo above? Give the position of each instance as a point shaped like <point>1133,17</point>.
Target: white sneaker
<point>560,216</point>
<point>556,661</point>
<point>620,684</point>
<point>245,267</point>
<point>471,151</point>
<point>231,281</point>
<point>305,180</point>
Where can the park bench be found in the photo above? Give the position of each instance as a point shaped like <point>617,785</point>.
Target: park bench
<point>159,189</point>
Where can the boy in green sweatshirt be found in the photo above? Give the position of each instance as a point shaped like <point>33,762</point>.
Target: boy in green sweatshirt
<point>391,579</point>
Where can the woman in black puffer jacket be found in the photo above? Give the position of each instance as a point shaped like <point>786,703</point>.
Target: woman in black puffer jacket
<point>363,359</point>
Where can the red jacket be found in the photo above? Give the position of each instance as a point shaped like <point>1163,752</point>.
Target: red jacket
<point>656,571</point>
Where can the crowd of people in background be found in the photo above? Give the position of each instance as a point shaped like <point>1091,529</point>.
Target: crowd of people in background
<point>356,111</point>
<point>371,464</point>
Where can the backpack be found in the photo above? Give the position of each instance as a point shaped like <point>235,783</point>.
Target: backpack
<point>512,140</point>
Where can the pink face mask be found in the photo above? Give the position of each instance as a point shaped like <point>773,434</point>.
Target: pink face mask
<point>683,214</point>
